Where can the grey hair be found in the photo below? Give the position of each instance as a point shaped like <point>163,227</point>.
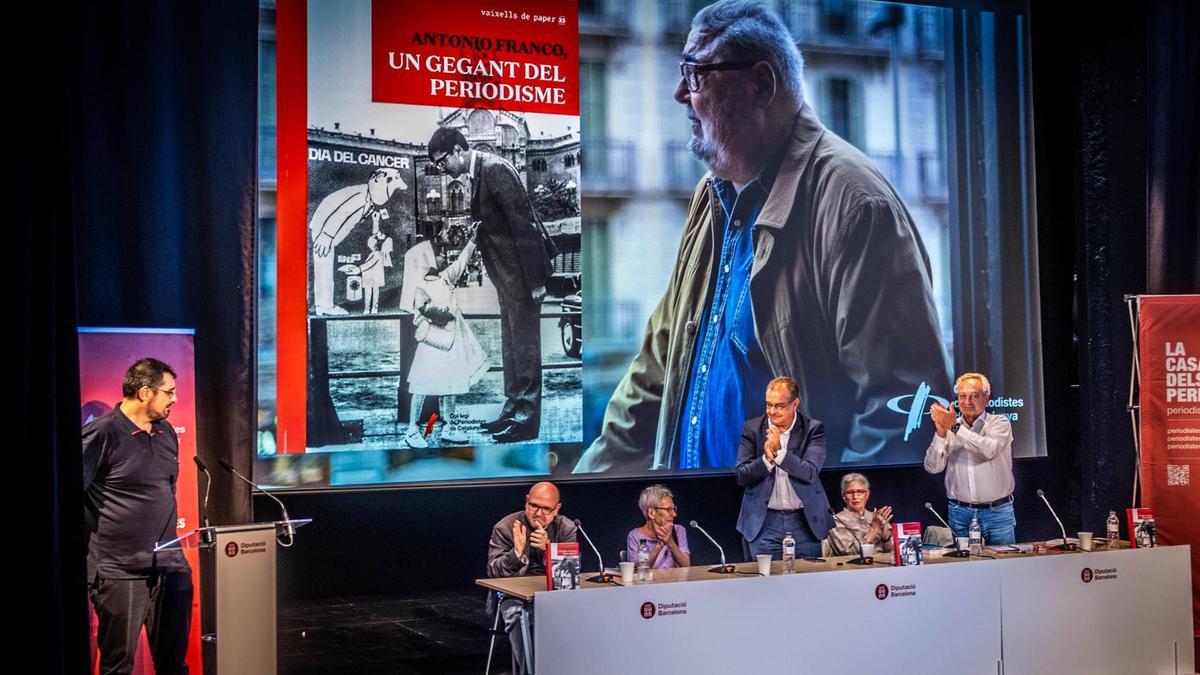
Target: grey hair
<point>744,29</point>
<point>983,382</point>
<point>651,496</point>
<point>853,478</point>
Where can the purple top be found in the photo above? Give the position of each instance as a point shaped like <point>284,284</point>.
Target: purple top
<point>665,559</point>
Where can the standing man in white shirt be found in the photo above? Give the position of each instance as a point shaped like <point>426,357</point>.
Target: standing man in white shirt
<point>779,464</point>
<point>974,448</point>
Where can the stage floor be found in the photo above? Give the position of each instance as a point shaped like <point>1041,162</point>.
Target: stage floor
<point>442,632</point>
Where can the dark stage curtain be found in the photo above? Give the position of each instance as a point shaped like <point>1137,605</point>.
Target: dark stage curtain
<point>1173,156</point>
<point>135,163</point>
<point>164,209</point>
<point>44,521</point>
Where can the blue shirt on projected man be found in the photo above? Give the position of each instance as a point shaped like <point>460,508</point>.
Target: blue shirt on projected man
<point>729,372</point>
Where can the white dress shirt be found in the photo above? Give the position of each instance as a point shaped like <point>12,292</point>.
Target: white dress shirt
<point>977,460</point>
<point>783,495</point>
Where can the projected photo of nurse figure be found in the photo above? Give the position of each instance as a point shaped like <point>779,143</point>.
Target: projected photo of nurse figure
<point>337,215</point>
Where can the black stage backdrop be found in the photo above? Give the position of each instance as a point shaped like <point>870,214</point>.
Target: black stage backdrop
<point>153,144</point>
<point>164,203</point>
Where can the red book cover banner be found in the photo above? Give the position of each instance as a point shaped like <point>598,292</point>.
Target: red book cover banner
<point>104,356</point>
<point>520,56</point>
<point>1169,396</point>
<point>427,241</point>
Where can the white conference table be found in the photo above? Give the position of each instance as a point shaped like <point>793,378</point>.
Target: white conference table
<point>1130,612</point>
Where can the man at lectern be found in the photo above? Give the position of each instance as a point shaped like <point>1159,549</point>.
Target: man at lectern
<point>975,451</point>
<point>518,548</point>
<point>130,468</point>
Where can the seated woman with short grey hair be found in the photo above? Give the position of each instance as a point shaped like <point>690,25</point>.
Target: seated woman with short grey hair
<point>666,541</point>
<point>856,523</point>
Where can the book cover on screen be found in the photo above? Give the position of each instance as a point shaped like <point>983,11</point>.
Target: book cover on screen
<point>416,265</point>
<point>1142,533</point>
<point>562,566</point>
<point>907,548</point>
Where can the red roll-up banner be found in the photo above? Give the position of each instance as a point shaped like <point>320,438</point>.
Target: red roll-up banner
<point>104,356</point>
<point>1169,364</point>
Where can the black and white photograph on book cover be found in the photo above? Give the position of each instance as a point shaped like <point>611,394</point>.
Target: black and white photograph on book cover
<point>434,327</point>
<point>565,572</point>
<point>1144,533</point>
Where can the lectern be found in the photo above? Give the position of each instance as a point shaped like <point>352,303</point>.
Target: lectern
<point>237,579</point>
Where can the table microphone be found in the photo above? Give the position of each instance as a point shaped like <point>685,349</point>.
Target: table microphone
<point>603,577</point>
<point>206,534</point>
<point>1066,545</point>
<point>723,568</point>
<point>957,552</point>
<point>861,559</point>
<point>289,530</point>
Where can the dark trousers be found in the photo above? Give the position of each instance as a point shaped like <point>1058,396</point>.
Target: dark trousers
<point>520,346</point>
<point>775,527</point>
<point>162,603</point>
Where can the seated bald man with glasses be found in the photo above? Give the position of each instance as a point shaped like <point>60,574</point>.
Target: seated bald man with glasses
<point>518,548</point>
<point>779,464</point>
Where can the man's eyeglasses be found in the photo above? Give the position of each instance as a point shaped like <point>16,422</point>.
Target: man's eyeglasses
<point>440,162</point>
<point>691,71</point>
<point>169,392</point>
<point>773,407</point>
<point>537,508</point>
<point>855,493</point>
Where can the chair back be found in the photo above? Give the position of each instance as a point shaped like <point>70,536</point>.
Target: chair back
<point>938,536</point>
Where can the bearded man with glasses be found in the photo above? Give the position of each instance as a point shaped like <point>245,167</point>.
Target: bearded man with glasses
<point>130,469</point>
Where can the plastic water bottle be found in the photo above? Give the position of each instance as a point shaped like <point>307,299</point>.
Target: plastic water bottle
<point>789,554</point>
<point>975,537</point>
<point>643,562</point>
<point>1113,528</point>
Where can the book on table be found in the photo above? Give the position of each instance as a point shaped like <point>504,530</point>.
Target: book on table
<point>562,566</point>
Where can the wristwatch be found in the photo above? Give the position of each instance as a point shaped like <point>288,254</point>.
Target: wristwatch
<point>524,559</point>
<point>954,429</point>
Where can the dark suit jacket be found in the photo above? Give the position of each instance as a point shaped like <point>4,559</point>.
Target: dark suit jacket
<point>805,456</point>
<point>509,237</point>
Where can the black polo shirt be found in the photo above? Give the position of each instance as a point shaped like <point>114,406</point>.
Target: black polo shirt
<point>129,479</point>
